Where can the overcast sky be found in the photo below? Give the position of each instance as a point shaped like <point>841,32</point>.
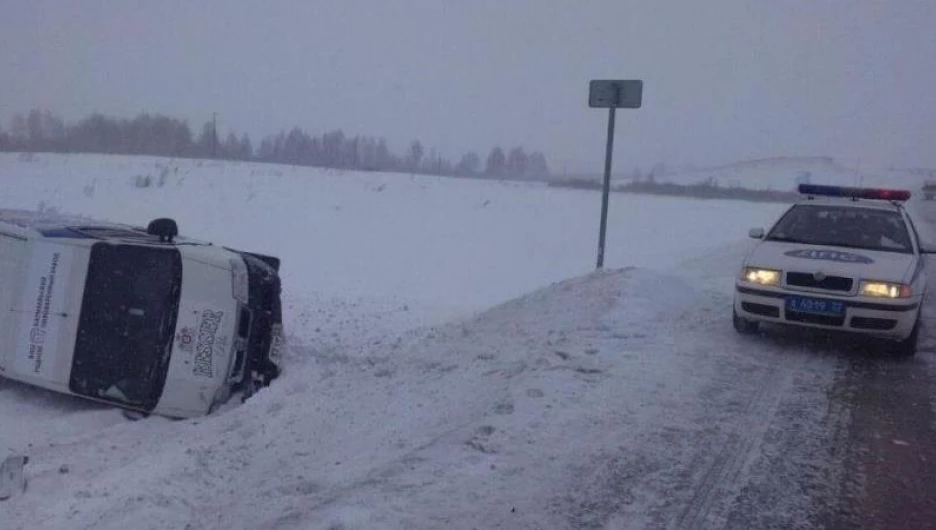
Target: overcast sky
<point>724,79</point>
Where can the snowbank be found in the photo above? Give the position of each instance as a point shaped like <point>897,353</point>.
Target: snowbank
<point>579,399</point>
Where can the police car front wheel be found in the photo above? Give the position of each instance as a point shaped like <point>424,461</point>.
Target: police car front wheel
<point>908,346</point>
<point>743,325</point>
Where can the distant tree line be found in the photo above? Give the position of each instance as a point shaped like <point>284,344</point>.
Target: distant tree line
<point>157,135</point>
<point>706,189</point>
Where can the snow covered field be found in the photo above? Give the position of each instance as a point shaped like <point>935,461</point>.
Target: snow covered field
<point>453,363</point>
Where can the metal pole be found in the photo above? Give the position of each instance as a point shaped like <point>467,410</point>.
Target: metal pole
<point>606,189</point>
<point>214,135</point>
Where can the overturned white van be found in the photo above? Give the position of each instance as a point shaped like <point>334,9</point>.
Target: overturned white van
<point>135,317</point>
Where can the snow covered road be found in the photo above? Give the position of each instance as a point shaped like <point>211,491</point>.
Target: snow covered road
<point>619,399</point>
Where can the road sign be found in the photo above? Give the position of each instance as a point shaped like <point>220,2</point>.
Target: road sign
<point>611,95</point>
<point>621,94</point>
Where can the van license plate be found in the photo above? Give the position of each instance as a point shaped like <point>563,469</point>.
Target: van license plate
<point>276,344</point>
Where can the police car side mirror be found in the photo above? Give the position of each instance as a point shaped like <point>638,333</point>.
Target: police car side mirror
<point>756,233</point>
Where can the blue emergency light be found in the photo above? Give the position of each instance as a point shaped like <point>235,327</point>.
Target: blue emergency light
<point>854,193</point>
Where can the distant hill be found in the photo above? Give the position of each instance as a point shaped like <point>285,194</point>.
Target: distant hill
<point>785,173</point>
<point>766,179</point>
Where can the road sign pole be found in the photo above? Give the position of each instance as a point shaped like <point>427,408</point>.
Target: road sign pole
<point>611,94</point>
<point>606,189</point>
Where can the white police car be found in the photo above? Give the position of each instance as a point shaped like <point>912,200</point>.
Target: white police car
<point>134,317</point>
<point>841,259</point>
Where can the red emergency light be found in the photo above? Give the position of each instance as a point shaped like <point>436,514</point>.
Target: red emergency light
<point>882,194</point>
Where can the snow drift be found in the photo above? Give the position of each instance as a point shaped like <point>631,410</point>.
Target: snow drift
<point>453,362</point>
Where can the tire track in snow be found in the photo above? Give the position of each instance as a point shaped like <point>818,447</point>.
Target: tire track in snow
<point>695,470</point>
<point>727,467</point>
<point>789,386</point>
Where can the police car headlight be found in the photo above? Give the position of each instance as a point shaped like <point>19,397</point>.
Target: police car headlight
<point>239,280</point>
<point>884,289</point>
<point>760,276</point>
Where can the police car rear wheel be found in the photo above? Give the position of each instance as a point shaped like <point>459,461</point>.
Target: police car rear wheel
<point>743,325</point>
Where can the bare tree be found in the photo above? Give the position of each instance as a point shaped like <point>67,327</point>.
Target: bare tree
<point>537,166</point>
<point>517,162</point>
<point>496,163</point>
<point>469,164</point>
<point>415,155</point>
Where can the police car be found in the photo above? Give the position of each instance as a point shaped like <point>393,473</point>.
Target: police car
<point>841,258</point>
<point>135,317</point>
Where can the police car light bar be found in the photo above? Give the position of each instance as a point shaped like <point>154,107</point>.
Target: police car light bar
<point>855,193</point>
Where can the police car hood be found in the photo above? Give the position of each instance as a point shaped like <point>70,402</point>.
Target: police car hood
<point>838,261</point>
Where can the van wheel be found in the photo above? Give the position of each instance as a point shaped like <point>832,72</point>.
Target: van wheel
<point>166,229</point>
<point>743,325</point>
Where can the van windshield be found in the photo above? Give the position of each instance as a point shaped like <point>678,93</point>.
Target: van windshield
<point>127,324</point>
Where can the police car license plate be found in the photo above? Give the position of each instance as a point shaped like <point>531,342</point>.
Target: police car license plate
<point>819,306</point>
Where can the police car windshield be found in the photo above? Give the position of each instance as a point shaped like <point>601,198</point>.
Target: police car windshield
<point>127,323</point>
<point>843,226</point>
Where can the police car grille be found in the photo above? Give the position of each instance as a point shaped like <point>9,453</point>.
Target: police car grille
<point>830,283</point>
<point>810,318</point>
